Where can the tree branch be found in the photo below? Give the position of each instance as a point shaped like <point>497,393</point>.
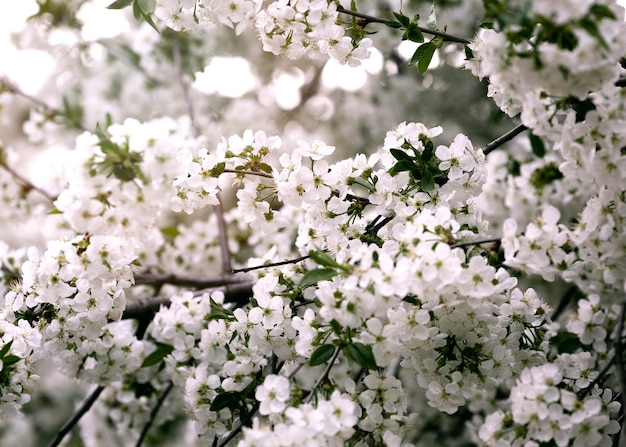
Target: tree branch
<point>257,173</point>
<point>153,414</point>
<point>446,37</point>
<point>273,264</point>
<point>238,293</point>
<point>84,408</point>
<point>504,138</point>
<point>324,375</point>
<point>25,182</point>
<point>183,88</point>
<point>479,242</point>
<point>14,89</point>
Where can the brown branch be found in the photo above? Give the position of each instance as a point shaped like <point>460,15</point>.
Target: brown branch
<point>257,173</point>
<point>27,184</point>
<point>238,293</point>
<point>184,90</point>
<point>504,138</point>
<point>14,89</point>
<point>446,37</point>
<point>619,357</point>
<point>272,264</point>
<point>153,414</point>
<point>479,242</point>
<point>84,408</point>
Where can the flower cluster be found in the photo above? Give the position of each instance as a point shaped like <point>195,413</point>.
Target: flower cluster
<point>544,408</point>
<point>548,54</point>
<point>121,180</point>
<point>70,293</point>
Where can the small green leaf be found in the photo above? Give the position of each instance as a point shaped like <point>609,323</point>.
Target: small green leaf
<point>314,276</point>
<point>427,181</point>
<point>400,155</point>
<point>170,231</point>
<point>336,326</point>
<point>5,349</point>
<point>602,12</point>
<point>147,6</point>
<point>157,355</point>
<point>402,166</point>
<point>362,355</point>
<point>120,4</point>
<point>537,145</point>
<point>227,399</point>
<point>10,360</point>
<point>411,300</point>
<point>404,20</point>
<point>322,258</point>
<point>424,61</point>
<point>393,24</point>
<point>322,354</point>
<point>54,211</point>
<point>218,169</point>
<point>566,342</point>
<point>413,34</point>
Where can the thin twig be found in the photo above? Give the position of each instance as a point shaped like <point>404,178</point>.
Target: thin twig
<point>479,242</point>
<point>153,414</point>
<point>25,182</point>
<point>184,90</point>
<point>504,138</point>
<point>12,88</point>
<point>227,265</point>
<point>269,265</point>
<point>446,37</point>
<point>84,408</point>
<point>324,375</point>
<point>257,173</point>
<point>243,423</point>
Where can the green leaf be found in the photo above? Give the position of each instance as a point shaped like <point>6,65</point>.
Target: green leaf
<point>10,360</point>
<point>170,231</point>
<point>427,181</point>
<point>411,299</point>
<point>566,342</point>
<point>227,399</point>
<point>537,145</point>
<point>424,61</point>
<point>413,34</point>
<point>393,24</point>
<point>402,166</point>
<point>147,6</point>
<point>218,169</point>
<point>120,4</point>
<point>54,211</point>
<point>157,355</point>
<point>362,355</point>
<point>400,155</point>
<point>322,258</point>
<point>314,276</point>
<point>322,354</point>
<point>150,22</point>
<point>336,326</point>
<point>5,349</point>
<point>219,312</point>
<point>419,53</point>
<point>602,12</point>
<point>404,20</point>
